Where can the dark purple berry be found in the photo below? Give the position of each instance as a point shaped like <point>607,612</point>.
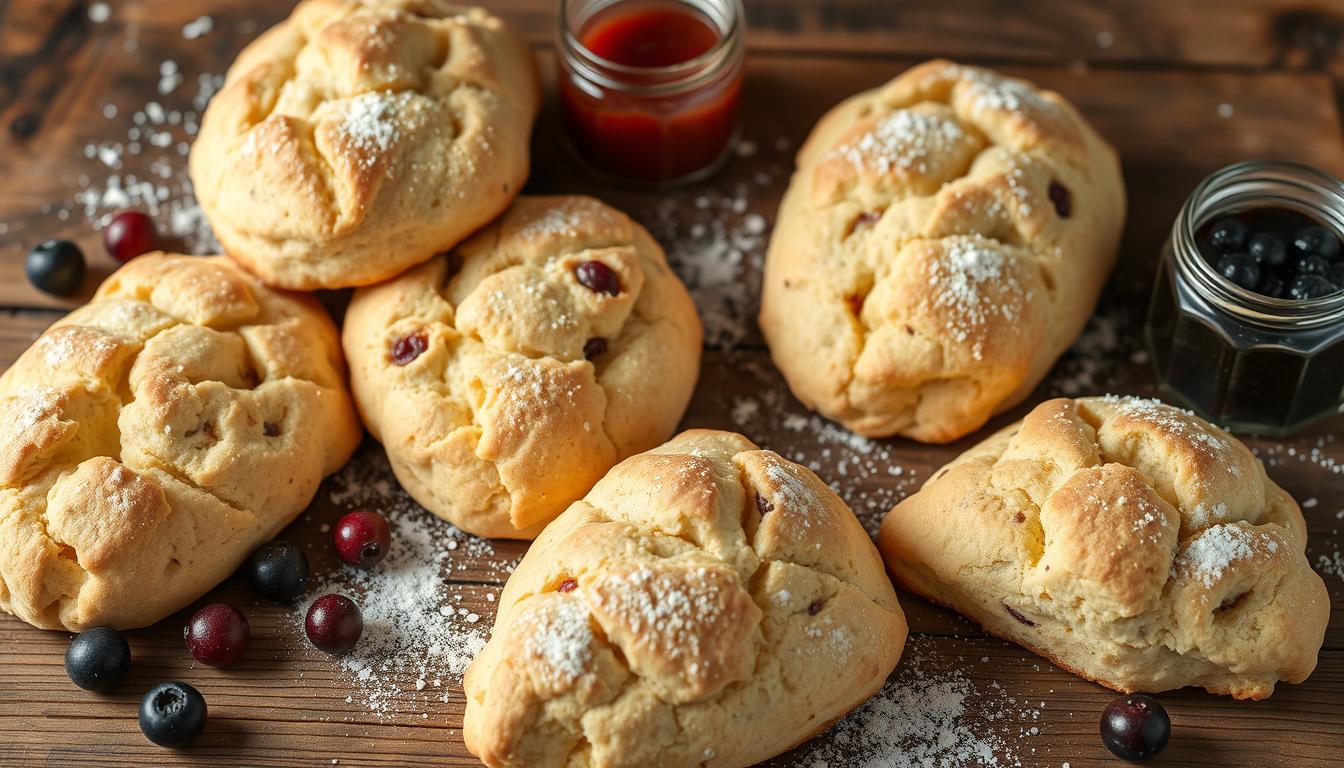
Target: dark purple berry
<point>1310,264</point>
<point>1240,269</point>
<point>362,538</point>
<point>1272,286</point>
<point>1310,287</point>
<point>1268,250</point>
<point>278,571</point>
<point>598,278</point>
<point>1062,198</point>
<point>1228,235</point>
<point>763,504</point>
<point>1135,727</point>
<point>56,267</point>
<point>568,585</point>
<point>130,234</point>
<point>407,348</point>
<point>172,714</point>
<point>594,348</point>
<point>98,659</point>
<point>1316,240</point>
<point>334,623</point>
<point>217,634</point>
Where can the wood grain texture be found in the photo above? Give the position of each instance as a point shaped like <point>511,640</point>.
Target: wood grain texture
<point>1156,91</point>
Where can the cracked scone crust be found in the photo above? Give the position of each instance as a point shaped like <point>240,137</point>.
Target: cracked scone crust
<point>151,439</point>
<point>943,240</point>
<point>1127,541</point>
<point>707,604</point>
<point>530,385</point>
<point>361,137</point>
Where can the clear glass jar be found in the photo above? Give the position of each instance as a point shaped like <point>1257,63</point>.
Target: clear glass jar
<point>653,124</point>
<point>1250,362</point>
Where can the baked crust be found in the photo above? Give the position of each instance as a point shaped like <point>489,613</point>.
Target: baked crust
<point>706,604</point>
<point>151,439</point>
<point>358,138</point>
<point>502,422</point>
<point>1127,541</point>
<point>920,277</point>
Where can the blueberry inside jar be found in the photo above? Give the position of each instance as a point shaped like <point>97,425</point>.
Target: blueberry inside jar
<point>1246,324</point>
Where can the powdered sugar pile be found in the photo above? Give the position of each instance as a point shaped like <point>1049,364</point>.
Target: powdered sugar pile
<point>419,633</point>
<point>928,715</point>
<point>562,638</point>
<point>1209,555</point>
<point>370,123</point>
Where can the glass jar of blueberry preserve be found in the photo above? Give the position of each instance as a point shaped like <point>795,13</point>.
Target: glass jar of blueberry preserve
<point>1246,324</point>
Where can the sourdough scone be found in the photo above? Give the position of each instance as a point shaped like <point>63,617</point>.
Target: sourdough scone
<point>706,604</point>
<point>361,137</point>
<point>943,240</point>
<point>1125,540</point>
<point>506,377</point>
<point>151,439</point>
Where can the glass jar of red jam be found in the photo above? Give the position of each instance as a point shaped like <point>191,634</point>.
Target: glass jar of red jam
<point>649,89</point>
<point>1246,324</point>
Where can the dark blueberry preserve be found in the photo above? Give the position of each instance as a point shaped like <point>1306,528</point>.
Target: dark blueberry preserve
<point>1246,324</point>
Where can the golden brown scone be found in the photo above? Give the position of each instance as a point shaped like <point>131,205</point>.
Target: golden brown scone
<point>943,240</point>
<point>151,439</point>
<point>360,137</point>
<point>1125,540</point>
<point>502,386</point>
<point>706,604</point>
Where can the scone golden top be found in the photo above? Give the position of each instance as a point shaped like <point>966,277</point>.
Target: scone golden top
<point>151,439</point>
<point>506,377</point>
<point>943,240</point>
<point>706,604</point>
<point>1126,540</point>
<point>360,137</point>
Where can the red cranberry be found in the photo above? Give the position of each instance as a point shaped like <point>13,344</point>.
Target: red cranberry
<point>406,348</point>
<point>815,607</point>
<point>598,278</point>
<point>362,538</point>
<point>1062,198</point>
<point>568,585</point>
<point>217,634</point>
<point>763,504</point>
<point>594,347</point>
<point>130,234</point>
<point>334,623</point>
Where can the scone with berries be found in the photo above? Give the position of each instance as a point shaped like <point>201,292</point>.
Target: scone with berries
<point>943,240</point>
<point>706,604</point>
<point>1125,540</point>
<point>154,437</point>
<point>507,376</point>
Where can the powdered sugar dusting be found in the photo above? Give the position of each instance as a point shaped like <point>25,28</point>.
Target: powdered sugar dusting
<point>561,637</point>
<point>1209,555</point>
<point>959,282</point>
<point>904,141</point>
<point>370,125</point>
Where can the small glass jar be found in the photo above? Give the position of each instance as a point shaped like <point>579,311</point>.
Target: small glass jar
<point>654,125</point>
<point>1250,362</point>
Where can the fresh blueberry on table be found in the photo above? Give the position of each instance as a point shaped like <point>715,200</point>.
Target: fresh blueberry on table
<point>217,634</point>
<point>98,659</point>
<point>1135,727</point>
<point>56,267</point>
<point>278,571</point>
<point>362,538</point>
<point>172,714</point>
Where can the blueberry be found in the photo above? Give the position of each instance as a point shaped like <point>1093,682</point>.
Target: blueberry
<point>172,714</point>
<point>1272,286</point>
<point>1227,235</point>
<point>278,571</point>
<point>1135,727</point>
<point>1317,240</point>
<point>56,267</point>
<point>1240,269</point>
<point>1310,287</point>
<point>1310,264</point>
<point>1268,249</point>
<point>98,659</point>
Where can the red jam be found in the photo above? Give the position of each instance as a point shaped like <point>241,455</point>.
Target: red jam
<point>649,89</point>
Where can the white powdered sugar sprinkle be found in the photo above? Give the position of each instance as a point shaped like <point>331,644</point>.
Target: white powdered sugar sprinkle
<point>960,280</point>
<point>370,123</point>
<point>562,638</point>
<point>906,141</point>
<point>1210,554</point>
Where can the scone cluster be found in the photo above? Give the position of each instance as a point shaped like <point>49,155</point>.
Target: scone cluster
<point>151,439</point>
<point>361,137</point>
<point>1126,540</point>
<point>706,604</point>
<point>943,240</point>
<point>508,375</point>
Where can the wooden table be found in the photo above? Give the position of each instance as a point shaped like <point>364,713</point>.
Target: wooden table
<point>1180,87</point>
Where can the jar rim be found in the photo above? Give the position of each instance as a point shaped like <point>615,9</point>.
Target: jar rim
<point>654,80</point>
<point>1218,193</point>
